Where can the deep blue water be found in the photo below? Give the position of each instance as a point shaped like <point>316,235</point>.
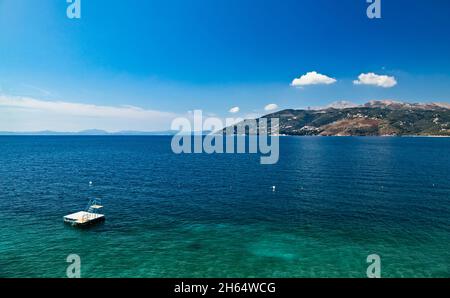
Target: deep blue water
<point>337,200</point>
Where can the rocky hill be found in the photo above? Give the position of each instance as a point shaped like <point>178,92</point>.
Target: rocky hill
<point>375,118</point>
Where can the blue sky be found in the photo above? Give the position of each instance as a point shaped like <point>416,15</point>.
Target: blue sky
<point>137,64</point>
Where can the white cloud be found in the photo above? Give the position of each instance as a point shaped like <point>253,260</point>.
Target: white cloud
<point>270,107</point>
<point>313,78</point>
<point>25,113</point>
<point>234,110</point>
<point>375,80</point>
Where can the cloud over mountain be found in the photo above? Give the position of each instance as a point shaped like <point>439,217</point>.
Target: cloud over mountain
<point>234,110</point>
<point>312,78</point>
<point>375,80</point>
<point>270,107</point>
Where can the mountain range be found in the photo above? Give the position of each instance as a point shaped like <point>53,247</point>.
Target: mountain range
<point>375,118</point>
<point>98,132</point>
<point>91,132</point>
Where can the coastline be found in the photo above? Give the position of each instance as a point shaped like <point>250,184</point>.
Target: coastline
<point>234,135</point>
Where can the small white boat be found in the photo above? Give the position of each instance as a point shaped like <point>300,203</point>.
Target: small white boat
<point>90,216</point>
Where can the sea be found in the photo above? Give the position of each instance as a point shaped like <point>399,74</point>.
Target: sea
<point>336,201</point>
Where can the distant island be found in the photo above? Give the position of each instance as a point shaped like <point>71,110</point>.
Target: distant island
<point>375,118</point>
<point>97,132</point>
<point>90,132</point>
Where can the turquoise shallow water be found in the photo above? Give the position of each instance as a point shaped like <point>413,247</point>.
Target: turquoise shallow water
<point>337,201</point>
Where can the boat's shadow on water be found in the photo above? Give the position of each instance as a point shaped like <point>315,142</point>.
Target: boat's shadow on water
<point>97,227</point>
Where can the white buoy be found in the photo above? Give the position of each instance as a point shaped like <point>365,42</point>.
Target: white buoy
<point>90,183</point>
<point>273,188</point>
